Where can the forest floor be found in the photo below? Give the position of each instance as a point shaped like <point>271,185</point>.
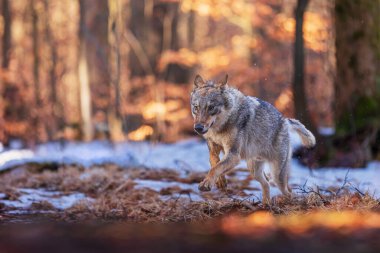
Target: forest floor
<point>112,193</point>
<point>113,207</point>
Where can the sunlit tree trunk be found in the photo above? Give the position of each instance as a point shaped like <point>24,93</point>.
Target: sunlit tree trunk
<point>94,29</point>
<point>115,27</point>
<point>84,83</point>
<point>300,100</point>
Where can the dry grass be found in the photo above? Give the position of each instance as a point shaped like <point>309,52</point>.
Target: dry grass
<point>115,196</point>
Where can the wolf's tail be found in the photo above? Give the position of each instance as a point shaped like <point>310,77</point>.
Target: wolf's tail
<point>307,137</point>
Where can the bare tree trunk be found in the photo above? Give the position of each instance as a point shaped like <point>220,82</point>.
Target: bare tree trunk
<point>115,30</point>
<point>6,41</point>
<point>300,100</point>
<point>38,113</point>
<point>84,83</point>
<point>357,35</point>
<point>95,37</point>
<point>57,121</point>
<point>172,41</point>
<point>136,23</point>
<point>115,26</point>
<point>6,46</point>
<point>141,28</point>
<point>36,58</point>
<point>357,106</point>
<point>357,96</point>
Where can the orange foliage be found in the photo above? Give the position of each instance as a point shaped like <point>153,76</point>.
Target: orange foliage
<point>171,110</point>
<point>285,100</point>
<point>217,8</point>
<point>16,128</point>
<point>141,134</point>
<point>315,33</point>
<point>184,57</point>
<point>260,223</point>
<point>250,40</point>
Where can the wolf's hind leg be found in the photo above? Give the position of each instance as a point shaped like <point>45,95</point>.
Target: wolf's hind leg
<point>257,170</point>
<point>280,170</point>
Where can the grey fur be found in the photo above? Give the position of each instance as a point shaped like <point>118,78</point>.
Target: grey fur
<point>247,128</point>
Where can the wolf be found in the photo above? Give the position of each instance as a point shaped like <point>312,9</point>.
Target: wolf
<point>243,127</point>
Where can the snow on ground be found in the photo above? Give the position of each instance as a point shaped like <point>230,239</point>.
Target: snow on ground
<point>191,154</point>
<point>184,156</point>
<point>56,199</point>
<point>159,185</point>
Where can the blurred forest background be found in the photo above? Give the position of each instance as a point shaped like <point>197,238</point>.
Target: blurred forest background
<point>123,69</point>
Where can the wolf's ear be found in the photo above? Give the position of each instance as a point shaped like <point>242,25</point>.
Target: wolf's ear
<point>223,82</point>
<point>198,82</point>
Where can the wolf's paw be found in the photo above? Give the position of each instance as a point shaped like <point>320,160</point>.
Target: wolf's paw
<point>221,182</point>
<point>205,185</point>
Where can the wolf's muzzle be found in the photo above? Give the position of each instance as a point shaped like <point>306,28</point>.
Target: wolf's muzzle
<point>200,129</point>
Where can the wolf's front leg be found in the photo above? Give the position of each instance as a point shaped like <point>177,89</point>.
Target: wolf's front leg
<point>214,151</point>
<point>229,161</point>
<point>221,182</point>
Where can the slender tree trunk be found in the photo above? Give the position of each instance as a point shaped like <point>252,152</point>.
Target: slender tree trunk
<point>139,62</point>
<point>6,41</point>
<point>57,121</point>
<point>172,41</point>
<point>36,58</point>
<point>300,100</point>
<point>115,25</point>
<point>95,37</point>
<point>6,46</point>
<point>38,115</point>
<point>84,83</point>
<point>142,41</point>
<point>115,30</point>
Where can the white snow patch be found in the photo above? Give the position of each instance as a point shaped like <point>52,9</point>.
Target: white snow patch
<point>326,131</point>
<point>57,199</point>
<point>159,185</point>
<point>364,179</point>
<point>15,157</point>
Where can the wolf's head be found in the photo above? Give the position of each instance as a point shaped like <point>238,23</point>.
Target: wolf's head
<point>208,103</point>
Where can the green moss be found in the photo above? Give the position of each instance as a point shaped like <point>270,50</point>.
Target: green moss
<point>366,113</point>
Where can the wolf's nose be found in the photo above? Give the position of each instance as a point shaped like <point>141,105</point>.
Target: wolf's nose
<point>198,128</point>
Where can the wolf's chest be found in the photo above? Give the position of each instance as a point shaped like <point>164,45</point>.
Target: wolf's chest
<point>218,139</point>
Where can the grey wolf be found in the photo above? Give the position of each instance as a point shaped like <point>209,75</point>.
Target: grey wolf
<point>243,127</point>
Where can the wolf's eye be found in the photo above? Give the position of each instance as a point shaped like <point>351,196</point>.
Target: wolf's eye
<point>212,110</point>
<point>195,108</point>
